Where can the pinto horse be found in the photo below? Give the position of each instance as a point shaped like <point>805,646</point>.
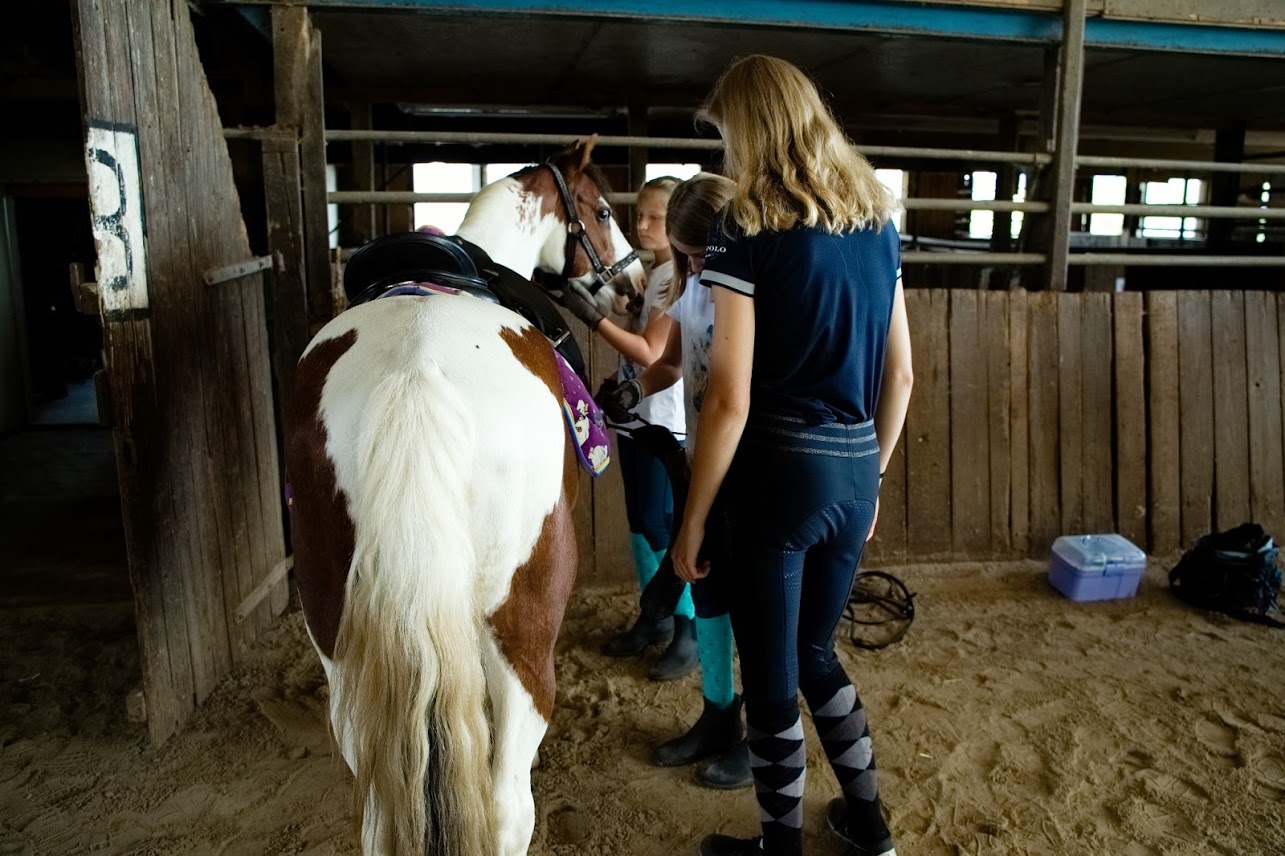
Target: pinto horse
<point>433,477</point>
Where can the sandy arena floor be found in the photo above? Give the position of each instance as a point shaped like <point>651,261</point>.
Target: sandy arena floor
<point>1008,721</point>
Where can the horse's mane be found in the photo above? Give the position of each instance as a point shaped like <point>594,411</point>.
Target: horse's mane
<point>591,169</point>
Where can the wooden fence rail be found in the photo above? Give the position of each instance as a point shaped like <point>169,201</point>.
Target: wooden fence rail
<point>1158,416</point>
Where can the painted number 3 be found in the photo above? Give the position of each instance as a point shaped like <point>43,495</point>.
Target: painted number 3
<point>115,194</point>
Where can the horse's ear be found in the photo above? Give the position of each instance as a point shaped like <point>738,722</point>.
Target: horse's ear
<point>587,150</point>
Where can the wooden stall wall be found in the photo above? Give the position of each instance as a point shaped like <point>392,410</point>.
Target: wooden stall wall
<point>1042,414</point>
<point>1157,416</point>
<point>187,363</point>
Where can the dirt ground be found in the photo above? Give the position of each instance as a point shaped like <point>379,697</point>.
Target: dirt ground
<point>1008,721</point>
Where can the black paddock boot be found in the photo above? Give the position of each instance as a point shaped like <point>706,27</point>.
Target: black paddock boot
<point>726,845</point>
<point>836,817</point>
<point>716,731</point>
<point>644,632</point>
<point>681,656</point>
<point>730,772</point>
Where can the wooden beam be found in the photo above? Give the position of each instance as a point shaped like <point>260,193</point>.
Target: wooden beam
<point>969,427</point>
<point>1019,324</point>
<point>1070,86</point>
<point>362,217</point>
<point>1164,468</point>
<point>637,154</point>
<point>1130,417</point>
<point>296,46</point>
<point>264,588</point>
<point>927,434</point>
<point>285,242</point>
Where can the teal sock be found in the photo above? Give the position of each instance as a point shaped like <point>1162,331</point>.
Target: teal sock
<point>645,559</point>
<point>714,647</point>
<point>685,607</point>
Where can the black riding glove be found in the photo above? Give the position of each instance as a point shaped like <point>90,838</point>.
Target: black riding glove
<point>581,304</point>
<point>605,389</point>
<point>620,400</point>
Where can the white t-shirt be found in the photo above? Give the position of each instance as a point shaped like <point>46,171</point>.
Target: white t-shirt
<point>694,312</point>
<point>665,407</point>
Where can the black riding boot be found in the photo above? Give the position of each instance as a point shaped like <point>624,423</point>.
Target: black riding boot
<point>729,772</point>
<point>836,817</point>
<point>645,631</point>
<point>726,845</point>
<point>681,656</point>
<point>716,731</point>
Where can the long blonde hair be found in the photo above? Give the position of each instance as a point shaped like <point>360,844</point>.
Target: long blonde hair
<point>692,208</point>
<point>792,163</point>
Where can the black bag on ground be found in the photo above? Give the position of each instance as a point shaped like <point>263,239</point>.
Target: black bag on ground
<point>1233,572</point>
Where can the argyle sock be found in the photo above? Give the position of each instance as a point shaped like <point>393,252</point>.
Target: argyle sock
<point>778,760</point>
<point>840,722</point>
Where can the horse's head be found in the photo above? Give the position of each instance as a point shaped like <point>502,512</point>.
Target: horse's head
<point>590,249</point>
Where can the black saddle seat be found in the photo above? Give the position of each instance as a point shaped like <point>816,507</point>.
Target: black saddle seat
<point>411,257</point>
<point>401,257</point>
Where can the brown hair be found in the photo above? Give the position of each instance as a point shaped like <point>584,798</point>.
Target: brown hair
<point>793,164</point>
<point>692,208</point>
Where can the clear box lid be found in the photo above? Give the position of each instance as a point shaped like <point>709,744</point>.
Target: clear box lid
<point>1098,552</point>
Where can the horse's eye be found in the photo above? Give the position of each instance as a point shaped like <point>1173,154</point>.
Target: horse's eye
<point>604,214</point>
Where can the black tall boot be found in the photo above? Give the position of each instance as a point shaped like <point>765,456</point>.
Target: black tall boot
<point>646,631</point>
<point>716,731</point>
<point>681,656</point>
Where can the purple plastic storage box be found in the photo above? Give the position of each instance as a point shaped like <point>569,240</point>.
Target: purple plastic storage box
<point>1096,567</point>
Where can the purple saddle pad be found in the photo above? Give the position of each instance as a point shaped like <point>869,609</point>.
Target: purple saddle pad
<point>584,420</point>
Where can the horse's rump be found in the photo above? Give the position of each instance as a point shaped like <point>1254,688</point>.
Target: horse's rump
<point>449,454</point>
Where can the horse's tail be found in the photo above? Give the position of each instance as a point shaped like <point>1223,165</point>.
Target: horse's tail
<point>410,684</point>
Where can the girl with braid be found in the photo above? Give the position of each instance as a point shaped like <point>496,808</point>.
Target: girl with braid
<point>809,380</point>
<point>718,732</point>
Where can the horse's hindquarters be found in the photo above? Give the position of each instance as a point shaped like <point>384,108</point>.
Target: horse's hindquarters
<point>427,449</point>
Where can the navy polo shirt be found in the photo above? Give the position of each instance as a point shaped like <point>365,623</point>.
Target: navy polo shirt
<point>822,306</point>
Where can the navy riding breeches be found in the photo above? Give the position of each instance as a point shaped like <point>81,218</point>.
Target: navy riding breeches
<point>801,503</point>
<point>649,500</point>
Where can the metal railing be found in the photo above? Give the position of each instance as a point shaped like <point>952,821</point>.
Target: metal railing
<point>959,257</point>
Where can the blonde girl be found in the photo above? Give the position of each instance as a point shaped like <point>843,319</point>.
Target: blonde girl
<point>648,494</point>
<point>809,380</point>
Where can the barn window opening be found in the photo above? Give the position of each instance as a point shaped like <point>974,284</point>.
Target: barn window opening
<point>332,210</point>
<point>492,172</point>
<point>897,182</point>
<point>983,187</point>
<point>981,223</point>
<point>440,177</point>
<point>1175,191</point>
<point>1108,190</point>
<point>680,171</point>
<point>1015,227</point>
<point>1265,198</point>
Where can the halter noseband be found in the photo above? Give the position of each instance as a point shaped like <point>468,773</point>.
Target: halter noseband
<point>576,234</point>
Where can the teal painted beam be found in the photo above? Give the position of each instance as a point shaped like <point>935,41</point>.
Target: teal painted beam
<point>1015,25</point>
<point>259,18</point>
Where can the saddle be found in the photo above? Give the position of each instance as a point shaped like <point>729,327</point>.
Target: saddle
<point>401,257</point>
